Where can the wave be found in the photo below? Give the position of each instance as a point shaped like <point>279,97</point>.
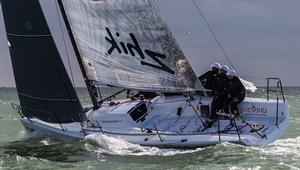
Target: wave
<point>117,146</point>
<point>282,147</point>
<point>244,168</point>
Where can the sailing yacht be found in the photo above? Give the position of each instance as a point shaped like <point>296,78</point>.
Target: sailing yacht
<point>124,44</point>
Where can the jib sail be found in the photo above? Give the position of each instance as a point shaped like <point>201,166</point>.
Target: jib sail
<point>126,43</point>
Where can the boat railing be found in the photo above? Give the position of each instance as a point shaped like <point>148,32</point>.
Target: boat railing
<point>22,112</point>
<point>278,90</point>
<point>279,93</point>
<point>158,134</point>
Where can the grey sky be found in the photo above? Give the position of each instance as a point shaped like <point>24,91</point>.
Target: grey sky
<point>262,37</point>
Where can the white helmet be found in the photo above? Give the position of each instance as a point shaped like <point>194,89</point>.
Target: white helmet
<point>225,67</point>
<point>231,73</point>
<point>216,65</point>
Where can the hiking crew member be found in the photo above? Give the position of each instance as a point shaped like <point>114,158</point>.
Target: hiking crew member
<point>235,93</point>
<point>129,94</point>
<point>208,77</point>
<point>220,87</point>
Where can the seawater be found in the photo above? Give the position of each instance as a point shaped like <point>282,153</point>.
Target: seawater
<point>103,152</point>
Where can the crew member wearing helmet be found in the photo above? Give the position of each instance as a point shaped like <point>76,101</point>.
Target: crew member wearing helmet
<point>220,86</point>
<point>235,93</point>
<point>208,78</point>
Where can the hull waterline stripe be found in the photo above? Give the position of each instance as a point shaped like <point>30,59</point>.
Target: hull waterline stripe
<point>47,99</point>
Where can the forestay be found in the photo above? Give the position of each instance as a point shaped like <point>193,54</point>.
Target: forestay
<point>126,43</point>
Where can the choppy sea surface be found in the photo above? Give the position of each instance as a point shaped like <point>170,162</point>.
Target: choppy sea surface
<point>102,152</point>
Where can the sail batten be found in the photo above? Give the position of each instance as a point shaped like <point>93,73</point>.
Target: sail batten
<point>126,43</point>
<point>28,35</point>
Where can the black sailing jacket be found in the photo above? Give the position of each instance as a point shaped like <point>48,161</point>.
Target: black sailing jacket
<point>236,88</point>
<point>208,78</point>
<point>220,84</point>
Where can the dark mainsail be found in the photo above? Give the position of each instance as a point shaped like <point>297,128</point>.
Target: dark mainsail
<point>44,87</point>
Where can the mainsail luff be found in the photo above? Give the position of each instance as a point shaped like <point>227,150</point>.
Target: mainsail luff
<point>44,88</point>
<point>126,43</point>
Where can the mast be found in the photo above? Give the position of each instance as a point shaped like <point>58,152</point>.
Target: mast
<point>91,87</point>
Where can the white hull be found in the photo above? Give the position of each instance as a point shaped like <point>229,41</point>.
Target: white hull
<point>164,127</point>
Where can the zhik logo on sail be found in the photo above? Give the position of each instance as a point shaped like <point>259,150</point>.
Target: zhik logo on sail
<point>135,47</point>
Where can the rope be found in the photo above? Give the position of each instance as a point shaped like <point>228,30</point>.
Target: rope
<point>188,122</point>
<point>171,125</point>
<point>65,46</point>
<point>214,35</point>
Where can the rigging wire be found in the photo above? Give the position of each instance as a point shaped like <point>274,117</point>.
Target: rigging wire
<point>65,44</point>
<point>213,34</point>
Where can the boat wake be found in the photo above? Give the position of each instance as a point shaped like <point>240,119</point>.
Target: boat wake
<point>282,147</point>
<point>117,146</point>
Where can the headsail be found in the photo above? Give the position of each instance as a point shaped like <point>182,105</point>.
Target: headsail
<point>44,87</point>
<point>126,43</point>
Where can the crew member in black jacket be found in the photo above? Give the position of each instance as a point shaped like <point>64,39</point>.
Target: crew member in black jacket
<point>235,93</point>
<point>208,77</point>
<point>220,85</point>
